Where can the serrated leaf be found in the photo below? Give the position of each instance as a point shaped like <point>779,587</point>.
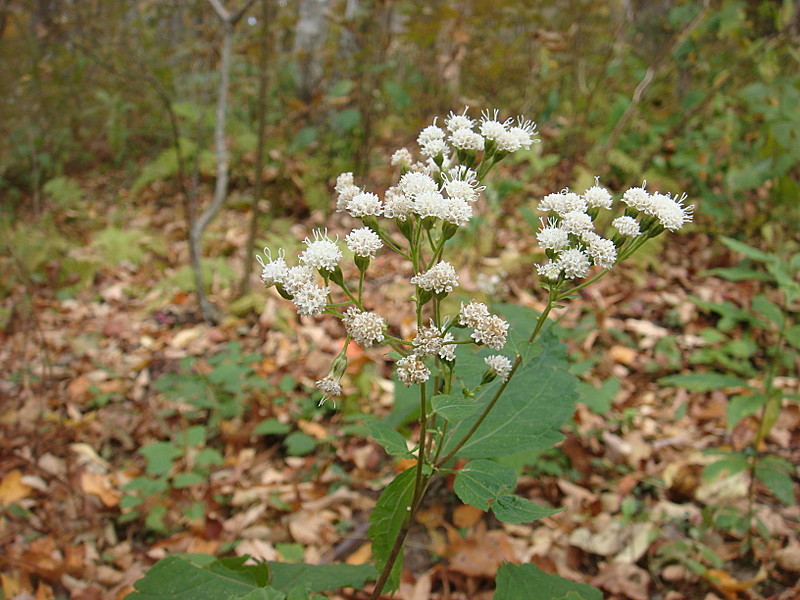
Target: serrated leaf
<point>531,410</point>
<point>742,405</point>
<point>703,382</point>
<point>386,436</point>
<point>387,519</point>
<point>480,482</point>
<point>318,578</point>
<point>511,508</point>
<point>159,457</point>
<point>528,582</point>
<point>182,578</point>
<point>775,473</point>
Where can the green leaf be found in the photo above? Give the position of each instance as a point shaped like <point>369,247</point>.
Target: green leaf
<point>762,305</point>
<point>742,405</point>
<point>386,436</point>
<point>528,582</point>
<point>480,482</point>
<point>159,457</point>
<point>195,578</point>
<point>184,480</point>
<point>598,399</point>
<point>271,427</point>
<point>208,457</point>
<point>793,335</point>
<point>511,508</point>
<point>387,519</point>
<point>748,251</point>
<point>775,473</point>
<point>299,444</point>
<point>534,405</point>
<point>731,465</point>
<point>317,578</point>
<point>738,273</point>
<point>703,382</point>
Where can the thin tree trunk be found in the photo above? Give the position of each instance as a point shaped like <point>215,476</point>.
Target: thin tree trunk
<point>208,311</point>
<point>258,191</point>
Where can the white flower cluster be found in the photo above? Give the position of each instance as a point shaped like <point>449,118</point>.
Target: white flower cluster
<point>440,278</point>
<point>568,235</point>
<point>299,283</point>
<point>499,365</point>
<point>488,329</point>
<point>366,328</point>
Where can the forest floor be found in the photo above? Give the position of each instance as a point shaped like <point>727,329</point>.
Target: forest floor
<point>129,429</point>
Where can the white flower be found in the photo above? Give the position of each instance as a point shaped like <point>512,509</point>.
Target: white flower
<point>402,158</point>
<point>562,203</point>
<point>627,226</point>
<point>670,212</point>
<point>345,190</point>
<point>429,134</point>
<point>322,253</point>
<point>329,387</point>
<point>457,211</point>
<point>576,222</point>
<point>455,122</point>
<point>466,139</point>
<point>273,271</point>
<point>366,328</point>
<point>500,365</point>
<point>428,341</point>
<point>602,251</point>
<point>414,183</point>
<point>490,127</point>
<point>434,148</point>
<point>550,270</point>
<point>310,299</point>
<point>506,141</point>
<point>523,133</point>
<point>441,277</point>
<point>574,262</point>
<point>447,351</point>
<point>411,370</point>
<point>491,331</point>
<point>462,182</point>
<point>639,199</point>
<point>597,197</point>
<point>430,204</point>
<point>297,277</point>
<point>364,204</point>
<point>473,313</point>
<point>397,205</point>
<point>363,242</point>
<point>552,237</point>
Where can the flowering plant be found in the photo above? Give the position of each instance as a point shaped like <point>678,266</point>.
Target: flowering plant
<point>488,382</point>
<point>486,389</point>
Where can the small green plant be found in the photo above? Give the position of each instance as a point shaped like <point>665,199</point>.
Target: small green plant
<point>219,389</point>
<point>178,464</point>
<point>748,348</point>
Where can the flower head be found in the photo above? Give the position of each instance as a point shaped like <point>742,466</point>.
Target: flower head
<point>364,204</point>
<point>491,128</point>
<point>627,226</point>
<point>441,277</point>
<point>402,158</point>
<point>297,277</point>
<point>466,139</point>
<point>366,328</point>
<point>500,365</point>
<point>576,222</point>
<point>329,387</point>
<point>638,198</point>
<point>415,183</point>
<point>574,262</point>
<point>321,253</point>
<point>345,190</point>
<point>310,299</point>
<point>363,242</point>
<point>397,205</point>
<point>603,252</point>
<point>455,122</point>
<point>273,271</point>
<point>428,341</point>
<point>491,331</point>
<point>462,182</point>
<point>473,313</point>
<point>671,212</point>
<point>597,196</point>
<point>411,370</point>
<point>552,237</point>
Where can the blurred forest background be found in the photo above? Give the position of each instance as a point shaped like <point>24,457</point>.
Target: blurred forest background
<point>149,148</point>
